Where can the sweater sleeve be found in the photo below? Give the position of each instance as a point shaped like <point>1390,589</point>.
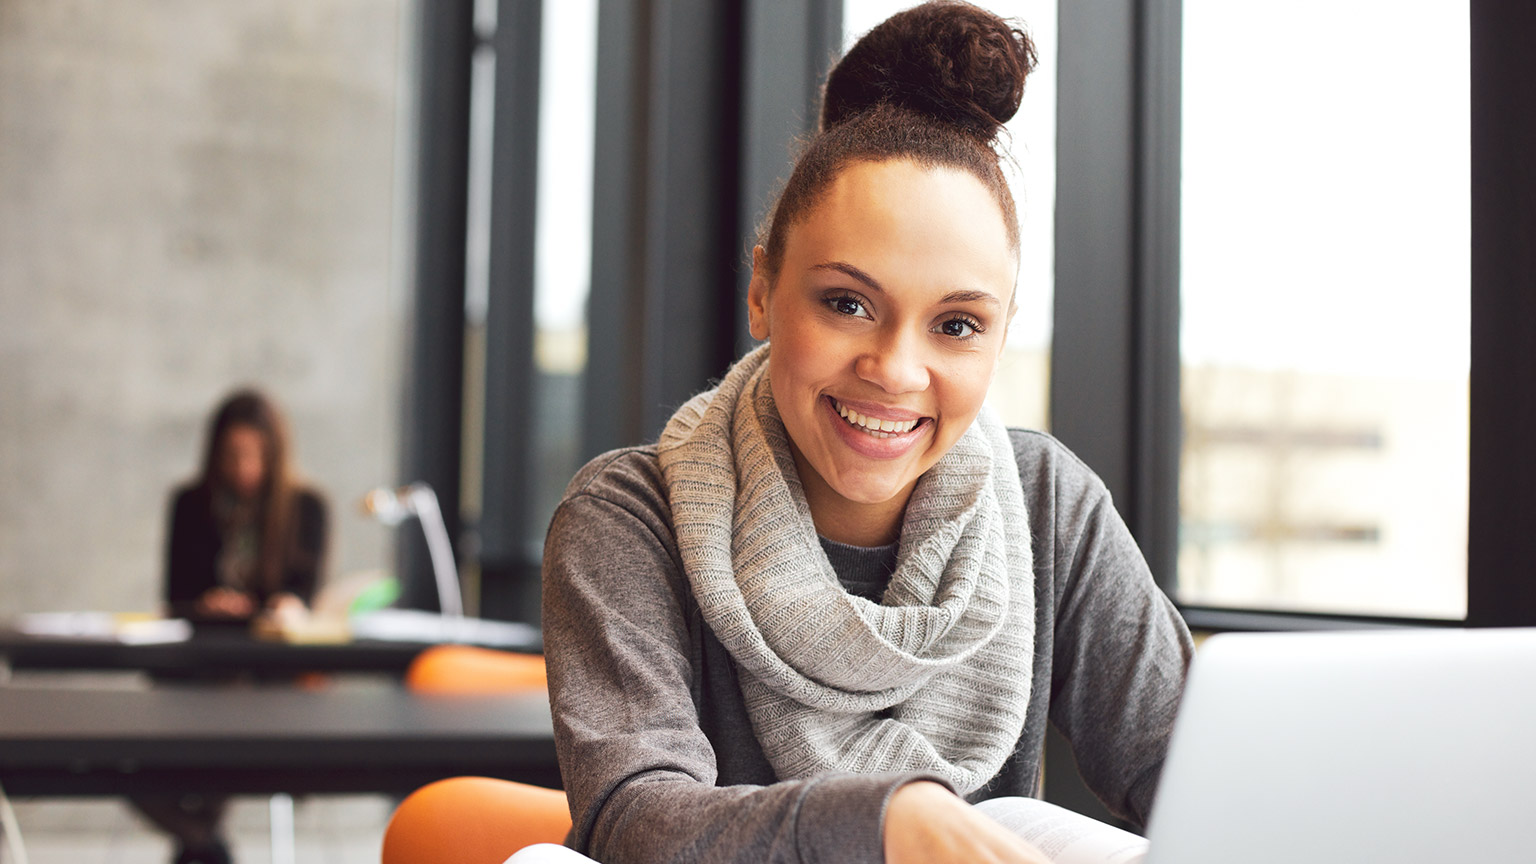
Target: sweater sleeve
<point>189,553</point>
<point>639,771</point>
<point>1121,649</point>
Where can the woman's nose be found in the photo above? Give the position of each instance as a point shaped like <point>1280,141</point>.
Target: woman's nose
<point>895,363</point>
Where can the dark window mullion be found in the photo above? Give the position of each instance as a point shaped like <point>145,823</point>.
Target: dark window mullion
<point>433,403</point>
<point>1092,356</point>
<point>1156,436</point>
<point>509,584</point>
<point>1501,536</point>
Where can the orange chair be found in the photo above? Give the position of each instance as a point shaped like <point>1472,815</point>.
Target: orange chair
<point>468,669</point>
<point>474,820</point>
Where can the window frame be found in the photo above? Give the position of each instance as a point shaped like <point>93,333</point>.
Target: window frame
<point>1115,364</point>
<point>1115,396</point>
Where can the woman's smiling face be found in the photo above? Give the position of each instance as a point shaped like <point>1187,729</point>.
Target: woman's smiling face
<point>888,312</point>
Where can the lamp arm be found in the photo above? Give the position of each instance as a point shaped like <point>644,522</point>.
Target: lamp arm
<point>449,595</point>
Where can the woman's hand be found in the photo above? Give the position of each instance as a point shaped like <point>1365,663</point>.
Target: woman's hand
<point>286,605</point>
<point>226,603</point>
<point>285,614</point>
<point>926,823</point>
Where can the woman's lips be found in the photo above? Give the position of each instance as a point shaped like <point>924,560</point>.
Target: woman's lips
<point>894,439</point>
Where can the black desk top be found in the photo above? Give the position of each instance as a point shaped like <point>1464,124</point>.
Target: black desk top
<point>211,650</point>
<point>258,740</point>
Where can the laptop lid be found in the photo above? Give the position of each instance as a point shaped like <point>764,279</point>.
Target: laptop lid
<point>1401,746</point>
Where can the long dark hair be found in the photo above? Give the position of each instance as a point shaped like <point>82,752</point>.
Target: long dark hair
<point>276,497</point>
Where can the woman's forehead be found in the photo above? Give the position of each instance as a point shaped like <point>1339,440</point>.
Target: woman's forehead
<point>897,219</point>
<point>244,435</point>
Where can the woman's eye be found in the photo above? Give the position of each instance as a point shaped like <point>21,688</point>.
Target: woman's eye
<point>848,306</point>
<point>959,328</point>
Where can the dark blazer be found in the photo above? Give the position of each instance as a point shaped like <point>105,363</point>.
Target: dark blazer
<point>192,549</point>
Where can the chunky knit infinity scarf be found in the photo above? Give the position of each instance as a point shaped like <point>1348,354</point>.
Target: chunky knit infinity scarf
<point>936,677</point>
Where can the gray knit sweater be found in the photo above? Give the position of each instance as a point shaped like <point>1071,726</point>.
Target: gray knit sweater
<point>657,752</point>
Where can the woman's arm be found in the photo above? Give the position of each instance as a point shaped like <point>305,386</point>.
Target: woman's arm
<point>639,771</point>
<point>190,549</point>
<point>1121,650</point>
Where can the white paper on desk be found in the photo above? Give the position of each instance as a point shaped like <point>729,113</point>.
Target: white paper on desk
<point>414,625</point>
<point>154,631</point>
<point>1066,837</point>
<point>105,627</point>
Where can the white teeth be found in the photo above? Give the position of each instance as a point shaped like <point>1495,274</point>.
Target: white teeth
<point>873,425</point>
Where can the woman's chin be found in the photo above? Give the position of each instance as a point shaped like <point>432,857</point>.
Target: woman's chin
<point>859,479</point>
<point>869,491</point>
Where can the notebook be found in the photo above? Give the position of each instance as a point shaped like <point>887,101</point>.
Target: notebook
<point>1342,748</point>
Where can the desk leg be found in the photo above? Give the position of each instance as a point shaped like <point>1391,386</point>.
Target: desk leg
<point>281,809</point>
<point>11,829</point>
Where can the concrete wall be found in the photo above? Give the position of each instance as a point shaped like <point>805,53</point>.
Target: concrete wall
<point>193,196</point>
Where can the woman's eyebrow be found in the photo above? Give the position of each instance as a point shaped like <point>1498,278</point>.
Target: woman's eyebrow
<point>971,297</point>
<point>852,271</point>
<point>963,296</point>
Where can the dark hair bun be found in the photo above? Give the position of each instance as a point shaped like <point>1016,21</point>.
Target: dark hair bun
<point>946,59</point>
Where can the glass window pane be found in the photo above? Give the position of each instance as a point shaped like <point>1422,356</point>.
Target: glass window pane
<point>563,250</point>
<point>1021,390</point>
<point>1325,303</point>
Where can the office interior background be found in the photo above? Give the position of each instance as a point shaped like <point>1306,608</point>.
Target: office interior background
<point>1276,287</point>
<point>461,243</point>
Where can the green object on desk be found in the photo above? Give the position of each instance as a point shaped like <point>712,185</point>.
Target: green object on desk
<point>379,595</point>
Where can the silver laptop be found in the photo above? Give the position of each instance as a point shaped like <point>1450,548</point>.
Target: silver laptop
<point>1344,748</point>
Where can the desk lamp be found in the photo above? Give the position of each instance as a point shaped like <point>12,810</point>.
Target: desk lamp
<point>393,506</point>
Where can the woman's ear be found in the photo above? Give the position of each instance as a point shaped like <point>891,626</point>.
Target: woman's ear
<point>757,295</point>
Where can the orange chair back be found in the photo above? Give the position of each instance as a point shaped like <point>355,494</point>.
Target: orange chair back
<point>468,669</point>
<point>474,820</point>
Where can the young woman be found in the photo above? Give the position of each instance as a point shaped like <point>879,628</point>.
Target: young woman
<point>245,537</point>
<point>245,540</point>
<point>838,602</point>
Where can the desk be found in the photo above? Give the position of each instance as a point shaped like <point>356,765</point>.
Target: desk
<point>210,651</point>
<point>265,740</point>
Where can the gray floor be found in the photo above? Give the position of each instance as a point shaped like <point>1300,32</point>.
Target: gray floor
<point>330,829</point>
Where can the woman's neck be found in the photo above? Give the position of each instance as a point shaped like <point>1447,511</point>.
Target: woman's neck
<point>857,529</point>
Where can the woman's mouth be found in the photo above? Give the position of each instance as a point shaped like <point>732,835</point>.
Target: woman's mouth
<point>877,437</point>
<point>873,425</point>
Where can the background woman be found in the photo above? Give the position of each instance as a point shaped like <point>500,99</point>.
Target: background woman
<point>245,540</point>
<point>838,602</point>
<point>246,536</point>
